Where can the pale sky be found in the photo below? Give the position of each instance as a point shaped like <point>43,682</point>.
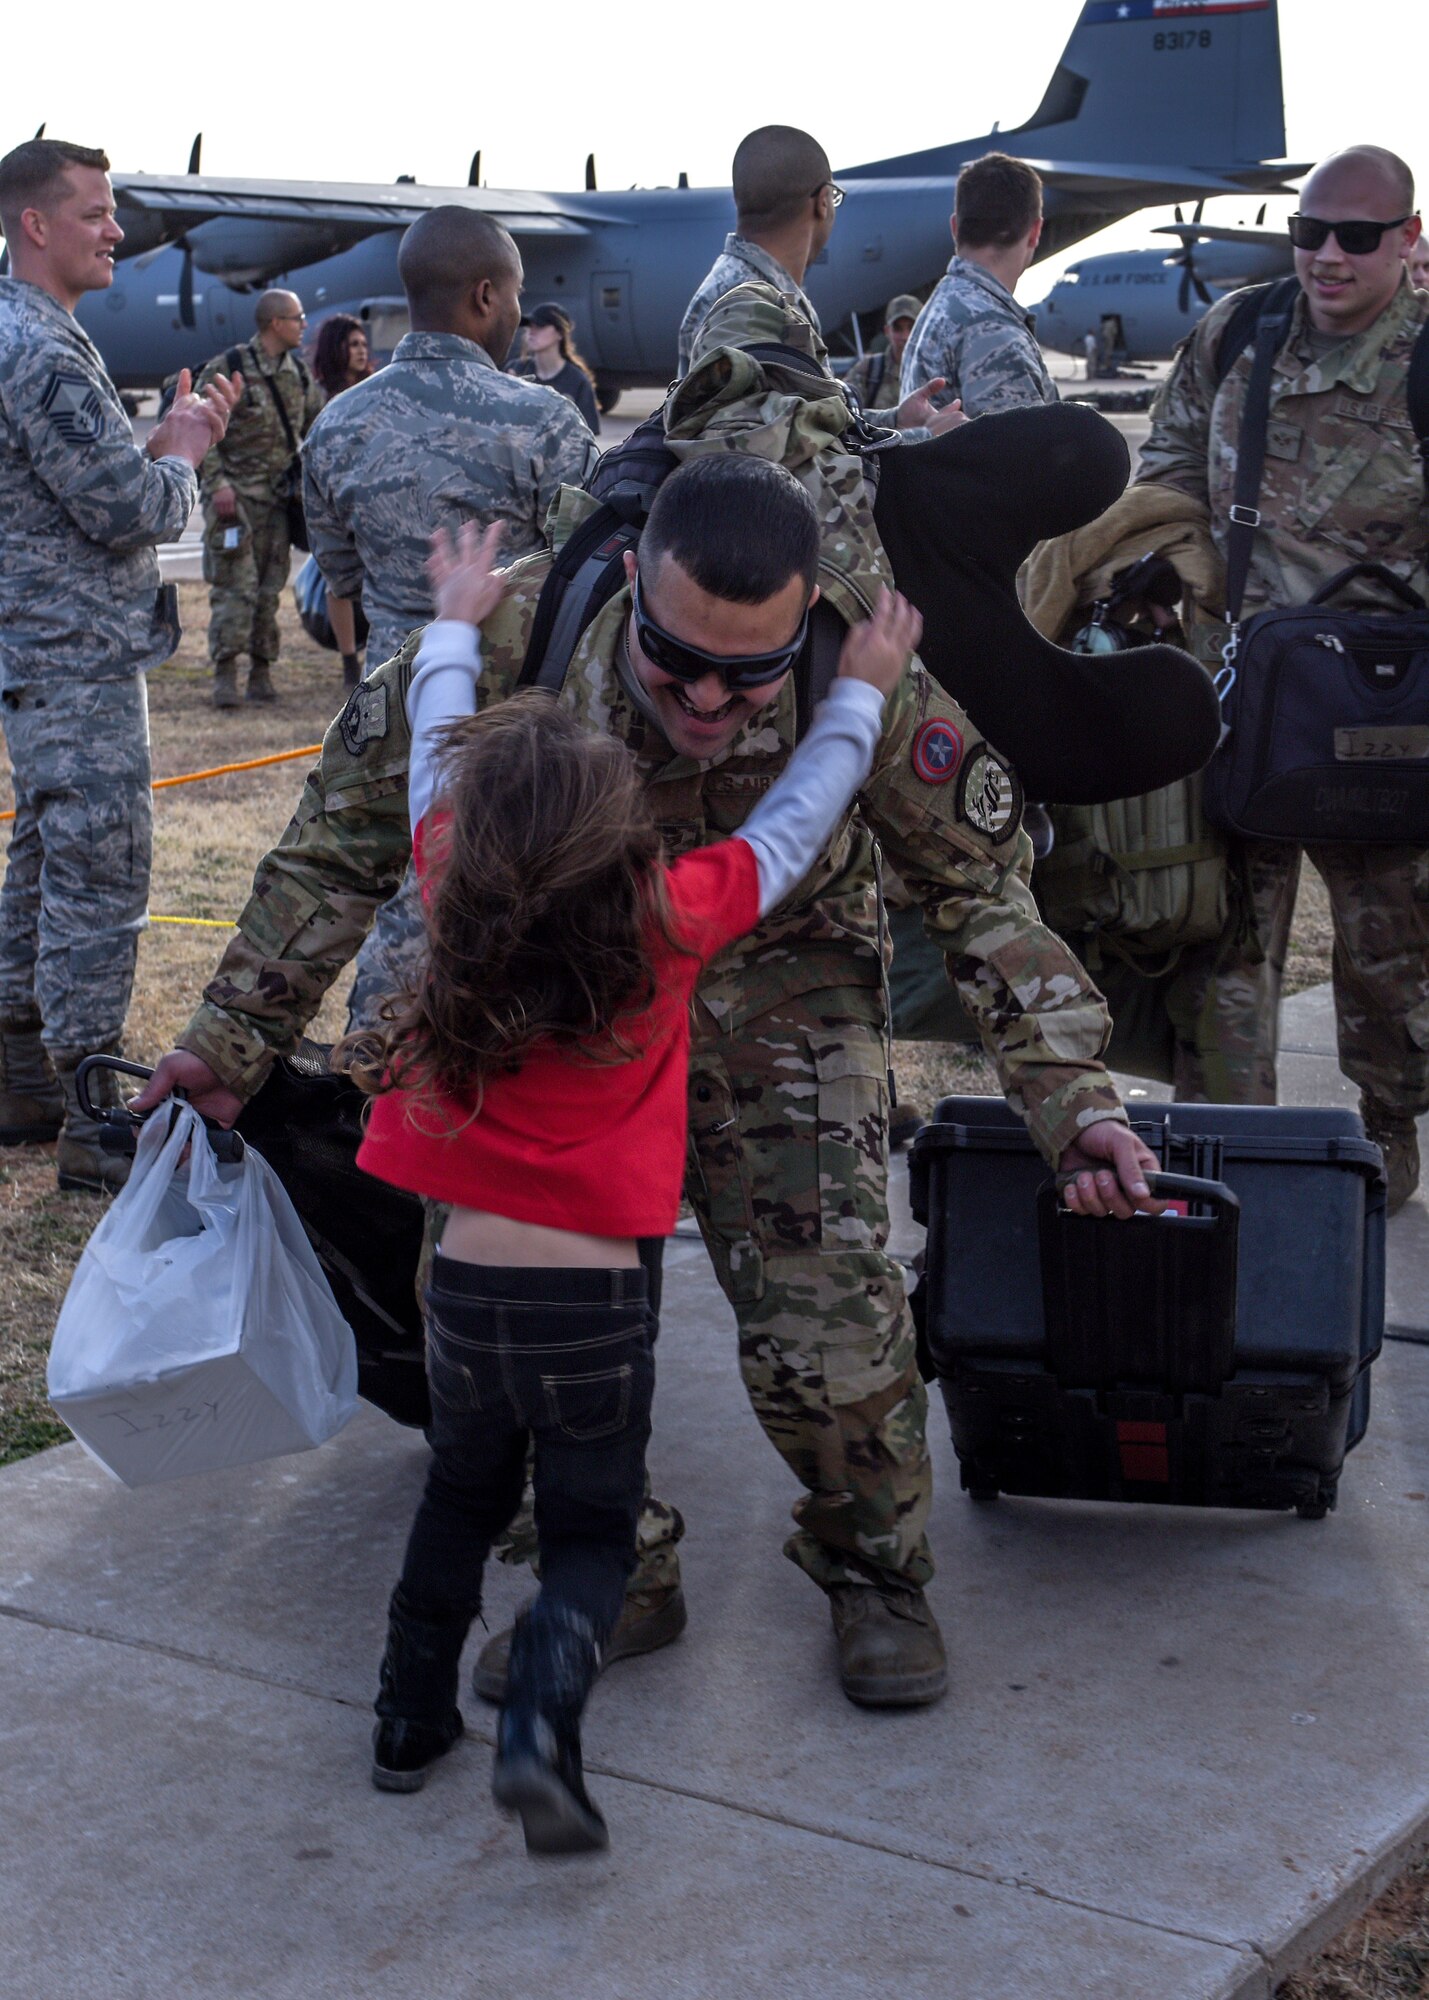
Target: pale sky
<point>374,91</point>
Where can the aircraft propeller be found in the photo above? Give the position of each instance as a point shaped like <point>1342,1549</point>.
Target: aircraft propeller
<point>473,172</point>
<point>590,173</point>
<point>1190,276</point>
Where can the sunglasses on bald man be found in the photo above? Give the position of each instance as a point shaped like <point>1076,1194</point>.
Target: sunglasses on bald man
<point>1356,239</point>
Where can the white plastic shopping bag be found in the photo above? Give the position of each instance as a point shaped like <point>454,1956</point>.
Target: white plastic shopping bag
<point>198,1330</point>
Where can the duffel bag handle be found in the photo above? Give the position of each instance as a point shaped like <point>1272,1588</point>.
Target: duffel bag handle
<point>121,1126</point>
<point>1377,573</point>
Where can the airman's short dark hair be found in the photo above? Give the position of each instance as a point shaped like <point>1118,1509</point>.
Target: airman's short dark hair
<point>997,201</point>
<point>31,174</point>
<point>740,526</point>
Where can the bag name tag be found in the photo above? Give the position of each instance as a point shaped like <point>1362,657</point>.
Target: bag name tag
<point>1407,744</point>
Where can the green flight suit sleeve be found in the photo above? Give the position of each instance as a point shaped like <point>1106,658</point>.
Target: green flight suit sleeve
<point>1042,1021</point>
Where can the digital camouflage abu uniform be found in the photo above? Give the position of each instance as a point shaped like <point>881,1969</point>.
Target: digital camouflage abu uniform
<point>973,332</point>
<point>1343,483</point>
<point>739,263</point>
<point>787,1097</point>
<point>82,615</point>
<point>245,562</point>
<point>438,437</point>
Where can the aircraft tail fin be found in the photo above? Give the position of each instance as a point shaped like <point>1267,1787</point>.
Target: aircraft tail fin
<point>1147,82</point>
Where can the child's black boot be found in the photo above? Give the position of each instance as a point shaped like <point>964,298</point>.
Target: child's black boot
<point>554,1660</point>
<point>418,1719</point>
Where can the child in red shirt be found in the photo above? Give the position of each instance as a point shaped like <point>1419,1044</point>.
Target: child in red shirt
<point>536,1082</point>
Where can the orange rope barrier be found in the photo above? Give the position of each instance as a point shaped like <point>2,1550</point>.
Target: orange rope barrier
<point>222,770</point>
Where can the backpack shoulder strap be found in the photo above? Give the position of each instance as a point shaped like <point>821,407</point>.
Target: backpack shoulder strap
<point>1239,329</point>
<point>587,572</point>
<point>1417,395</point>
<point>817,664</point>
<point>1272,328</point>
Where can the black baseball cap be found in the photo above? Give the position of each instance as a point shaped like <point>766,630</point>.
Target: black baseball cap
<point>548,315</point>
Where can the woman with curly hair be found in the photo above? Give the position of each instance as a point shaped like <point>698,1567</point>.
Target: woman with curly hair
<point>341,356</point>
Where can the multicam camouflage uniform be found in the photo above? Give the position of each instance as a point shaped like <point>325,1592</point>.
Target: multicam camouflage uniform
<point>246,580</point>
<point>788,1148</point>
<point>1343,483</point>
<point>876,380</point>
<point>739,263</point>
<point>82,615</point>
<point>438,437</point>
<point>973,332</point>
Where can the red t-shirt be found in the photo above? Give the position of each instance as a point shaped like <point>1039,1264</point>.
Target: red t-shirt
<point>594,1147</point>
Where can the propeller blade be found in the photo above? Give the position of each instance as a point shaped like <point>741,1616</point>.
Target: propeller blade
<point>1203,291</point>
<point>39,131</point>
<point>590,173</point>
<point>187,316</point>
<point>1261,217</point>
<point>1183,296</point>
<point>683,181</point>
<point>1179,216</point>
<point>1200,209</point>
<point>195,153</point>
<point>473,172</point>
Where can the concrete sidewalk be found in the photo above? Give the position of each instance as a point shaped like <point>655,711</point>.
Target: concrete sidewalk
<point>1180,1748</point>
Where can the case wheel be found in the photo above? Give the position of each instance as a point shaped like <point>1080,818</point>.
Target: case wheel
<point>979,1484</point>
<point>1320,1506</point>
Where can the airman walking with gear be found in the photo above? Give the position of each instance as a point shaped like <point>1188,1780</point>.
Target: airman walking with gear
<point>788,1161</point>
<point>245,483</point>
<point>876,379</point>
<point>972,333</point>
<point>1343,483</point>
<point>438,437</point>
<point>82,616</point>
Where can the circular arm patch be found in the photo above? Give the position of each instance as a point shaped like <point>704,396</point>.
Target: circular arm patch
<point>937,751</point>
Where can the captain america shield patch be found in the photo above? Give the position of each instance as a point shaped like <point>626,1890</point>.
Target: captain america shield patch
<point>73,405</point>
<point>937,752</point>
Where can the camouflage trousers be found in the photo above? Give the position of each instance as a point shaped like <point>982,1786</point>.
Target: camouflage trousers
<point>1222,1000</point>
<point>788,1176</point>
<point>76,887</point>
<point>246,583</point>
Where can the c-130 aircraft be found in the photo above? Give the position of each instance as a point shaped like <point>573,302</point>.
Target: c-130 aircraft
<point>1153,101</point>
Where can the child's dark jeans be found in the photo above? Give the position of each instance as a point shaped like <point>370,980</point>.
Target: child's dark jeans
<point>561,1358</point>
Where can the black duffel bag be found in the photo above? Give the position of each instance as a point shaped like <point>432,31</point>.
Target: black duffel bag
<point>1327,723</point>
<point>1324,712</point>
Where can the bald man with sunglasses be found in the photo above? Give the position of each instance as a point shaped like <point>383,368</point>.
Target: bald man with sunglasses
<point>1343,483</point>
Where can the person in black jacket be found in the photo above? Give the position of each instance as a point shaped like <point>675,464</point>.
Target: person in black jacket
<point>551,356</point>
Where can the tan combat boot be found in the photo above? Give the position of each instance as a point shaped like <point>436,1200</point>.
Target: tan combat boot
<point>890,1649</point>
<point>1397,1136</point>
<point>260,682</point>
<point>31,1101</point>
<point>649,1619</point>
<point>225,684</point>
<point>84,1165</point>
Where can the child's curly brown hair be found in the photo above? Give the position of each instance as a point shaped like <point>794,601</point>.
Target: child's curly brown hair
<point>547,878</point>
